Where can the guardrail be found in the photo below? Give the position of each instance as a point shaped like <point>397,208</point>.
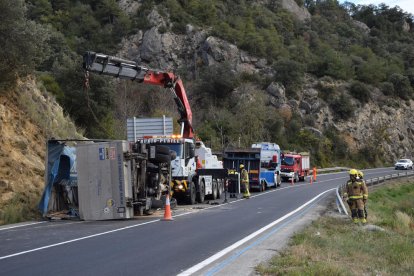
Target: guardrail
<point>370,182</point>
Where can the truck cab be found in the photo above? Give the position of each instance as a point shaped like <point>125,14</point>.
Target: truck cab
<point>295,166</point>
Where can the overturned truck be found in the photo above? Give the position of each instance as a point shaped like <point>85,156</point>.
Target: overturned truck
<point>100,180</point>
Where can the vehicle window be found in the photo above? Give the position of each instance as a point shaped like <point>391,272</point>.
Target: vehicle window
<point>402,161</point>
<point>288,161</point>
<point>175,147</point>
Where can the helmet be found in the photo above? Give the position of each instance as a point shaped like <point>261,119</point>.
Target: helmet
<point>360,174</point>
<point>353,172</point>
<point>241,166</point>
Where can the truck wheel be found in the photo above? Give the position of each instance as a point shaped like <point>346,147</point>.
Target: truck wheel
<point>201,192</point>
<point>191,196</point>
<point>262,187</point>
<point>219,188</point>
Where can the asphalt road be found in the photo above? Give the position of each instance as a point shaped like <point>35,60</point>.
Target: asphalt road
<point>147,246</point>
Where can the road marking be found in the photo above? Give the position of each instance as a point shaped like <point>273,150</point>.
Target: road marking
<point>227,250</point>
<point>21,225</point>
<point>78,239</point>
<point>156,220</point>
<point>240,252</point>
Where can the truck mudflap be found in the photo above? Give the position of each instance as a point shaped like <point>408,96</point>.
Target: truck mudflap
<point>215,173</point>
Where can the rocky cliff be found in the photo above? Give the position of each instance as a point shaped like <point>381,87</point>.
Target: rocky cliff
<point>384,124</point>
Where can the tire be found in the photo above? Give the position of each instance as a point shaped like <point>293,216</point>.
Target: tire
<point>214,191</point>
<point>262,187</point>
<point>201,192</point>
<point>191,196</point>
<point>219,188</point>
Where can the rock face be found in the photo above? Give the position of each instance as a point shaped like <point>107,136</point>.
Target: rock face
<point>301,12</point>
<point>389,129</point>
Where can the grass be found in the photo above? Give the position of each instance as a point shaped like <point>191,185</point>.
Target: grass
<point>22,207</point>
<point>334,246</point>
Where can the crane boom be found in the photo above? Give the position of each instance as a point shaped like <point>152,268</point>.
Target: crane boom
<point>126,69</point>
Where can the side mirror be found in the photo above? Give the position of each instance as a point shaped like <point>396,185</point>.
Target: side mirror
<point>191,152</point>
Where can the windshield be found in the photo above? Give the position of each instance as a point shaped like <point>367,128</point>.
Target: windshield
<point>403,161</point>
<point>175,147</point>
<point>288,161</point>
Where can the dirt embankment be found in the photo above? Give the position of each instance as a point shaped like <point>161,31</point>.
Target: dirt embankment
<point>28,116</point>
<point>22,151</point>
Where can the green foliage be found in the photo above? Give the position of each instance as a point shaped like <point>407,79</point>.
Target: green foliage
<point>217,83</point>
<point>290,73</point>
<point>20,208</point>
<point>360,92</point>
<point>22,42</point>
<point>402,86</point>
<point>52,86</point>
<point>342,107</point>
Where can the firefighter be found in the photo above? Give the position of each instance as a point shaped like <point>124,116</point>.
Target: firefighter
<point>244,178</point>
<point>361,178</point>
<point>356,194</point>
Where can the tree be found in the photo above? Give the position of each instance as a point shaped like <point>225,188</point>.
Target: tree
<point>22,43</point>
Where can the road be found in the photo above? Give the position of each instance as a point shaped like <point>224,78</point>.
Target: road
<point>195,239</point>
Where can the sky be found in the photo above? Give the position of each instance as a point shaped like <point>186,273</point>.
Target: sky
<point>405,5</point>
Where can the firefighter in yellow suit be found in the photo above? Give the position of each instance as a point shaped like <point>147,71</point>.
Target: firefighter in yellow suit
<point>356,194</point>
<point>244,178</point>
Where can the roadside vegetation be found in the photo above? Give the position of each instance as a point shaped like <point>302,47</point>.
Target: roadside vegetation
<point>59,32</point>
<point>333,245</point>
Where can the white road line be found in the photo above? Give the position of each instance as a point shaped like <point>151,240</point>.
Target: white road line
<point>152,221</point>
<point>223,252</point>
<point>21,225</point>
<point>78,239</point>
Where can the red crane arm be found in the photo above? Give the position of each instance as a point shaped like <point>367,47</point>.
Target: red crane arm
<point>126,69</point>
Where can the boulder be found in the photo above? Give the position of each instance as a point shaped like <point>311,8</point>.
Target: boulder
<point>276,90</point>
<point>301,13</point>
<point>151,45</point>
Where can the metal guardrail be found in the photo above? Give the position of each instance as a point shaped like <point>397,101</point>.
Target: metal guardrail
<point>370,182</point>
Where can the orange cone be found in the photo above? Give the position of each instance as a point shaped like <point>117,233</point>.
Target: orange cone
<point>167,213</point>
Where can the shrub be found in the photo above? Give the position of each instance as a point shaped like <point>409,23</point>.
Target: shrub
<point>360,91</point>
<point>342,107</point>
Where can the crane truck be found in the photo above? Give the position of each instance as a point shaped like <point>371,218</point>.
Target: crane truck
<point>164,162</point>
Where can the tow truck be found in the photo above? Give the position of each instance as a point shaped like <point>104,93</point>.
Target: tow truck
<point>173,159</point>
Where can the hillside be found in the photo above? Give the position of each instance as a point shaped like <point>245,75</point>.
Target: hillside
<point>27,118</point>
<point>272,70</point>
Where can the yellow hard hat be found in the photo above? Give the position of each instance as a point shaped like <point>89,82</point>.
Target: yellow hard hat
<point>360,174</point>
<point>353,172</point>
<point>241,166</point>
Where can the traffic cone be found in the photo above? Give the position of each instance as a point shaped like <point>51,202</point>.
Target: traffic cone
<point>167,213</point>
